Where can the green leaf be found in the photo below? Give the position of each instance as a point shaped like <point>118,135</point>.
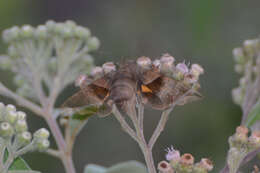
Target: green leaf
<point>128,167</point>
<point>18,163</point>
<point>92,168</point>
<point>85,113</point>
<point>254,114</point>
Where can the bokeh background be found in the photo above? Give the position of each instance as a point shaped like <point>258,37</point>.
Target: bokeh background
<point>201,31</point>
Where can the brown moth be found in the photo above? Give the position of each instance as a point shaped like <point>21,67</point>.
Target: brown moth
<point>134,82</point>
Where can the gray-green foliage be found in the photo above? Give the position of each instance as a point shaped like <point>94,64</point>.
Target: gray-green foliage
<point>124,167</point>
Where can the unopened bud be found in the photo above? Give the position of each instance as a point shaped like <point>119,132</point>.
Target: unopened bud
<point>23,138</point>
<point>172,155</point>
<point>21,126</point>
<point>82,32</point>
<point>206,164</point>
<point>167,63</point>
<point>196,70</point>
<point>11,116</point>
<point>82,81</point>
<point>187,159</point>
<point>239,55</point>
<point>241,134</point>
<point>21,115</point>
<point>144,62</point>
<point>42,145</point>
<point>41,32</point>
<point>41,134</point>
<point>156,63</point>
<point>165,167</point>
<point>27,31</point>
<point>93,43</point>
<point>97,72</point>
<point>250,46</point>
<point>6,130</point>
<point>10,108</point>
<point>254,139</point>
<point>237,96</point>
<point>108,67</point>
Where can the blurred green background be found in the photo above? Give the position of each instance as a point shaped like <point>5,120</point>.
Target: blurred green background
<point>201,31</point>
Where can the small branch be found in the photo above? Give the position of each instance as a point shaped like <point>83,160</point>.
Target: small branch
<point>124,124</point>
<point>54,153</point>
<point>141,116</point>
<point>160,127</point>
<point>20,100</point>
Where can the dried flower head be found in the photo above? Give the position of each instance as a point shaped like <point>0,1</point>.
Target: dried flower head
<point>187,159</point>
<point>165,167</point>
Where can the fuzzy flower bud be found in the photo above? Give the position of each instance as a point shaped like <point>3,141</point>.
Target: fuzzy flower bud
<point>157,63</point>
<point>144,62</point>
<point>239,55</point>
<point>241,134</point>
<point>167,63</point>
<point>108,67</point>
<point>10,108</point>
<point>196,70</point>
<point>41,134</point>
<point>21,115</point>
<point>42,145</point>
<point>27,31</point>
<point>41,32</point>
<point>237,95</point>
<point>182,69</point>
<point>6,130</point>
<point>82,32</point>
<point>254,139</point>
<point>165,167</point>
<point>11,34</point>
<point>172,155</point>
<point>23,138</point>
<point>21,126</point>
<point>187,159</point>
<point>93,43</point>
<point>82,80</point>
<point>250,46</point>
<point>97,72</point>
<point>206,164</point>
<point>11,116</point>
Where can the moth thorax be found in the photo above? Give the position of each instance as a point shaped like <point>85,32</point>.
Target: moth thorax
<point>144,62</point>
<point>97,72</point>
<point>108,67</point>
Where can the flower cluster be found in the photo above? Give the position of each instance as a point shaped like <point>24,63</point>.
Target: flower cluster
<point>54,53</point>
<point>177,163</point>
<point>247,59</point>
<point>14,131</point>
<point>240,146</point>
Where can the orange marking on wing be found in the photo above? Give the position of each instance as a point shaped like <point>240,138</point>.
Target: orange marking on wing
<point>145,89</point>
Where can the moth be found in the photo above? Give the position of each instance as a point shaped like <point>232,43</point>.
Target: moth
<point>131,83</point>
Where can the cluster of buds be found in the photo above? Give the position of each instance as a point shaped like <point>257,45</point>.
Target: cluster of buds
<point>14,130</point>
<point>247,59</point>
<point>180,71</point>
<point>177,163</point>
<point>241,145</point>
<point>46,51</point>
<point>165,65</point>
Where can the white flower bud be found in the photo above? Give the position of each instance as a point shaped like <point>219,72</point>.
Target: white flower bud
<point>11,116</point>
<point>97,72</point>
<point>41,32</point>
<point>82,32</point>
<point>144,62</point>
<point>42,145</point>
<point>27,31</point>
<point>6,130</point>
<point>108,67</point>
<point>21,126</point>
<point>21,115</point>
<point>41,134</point>
<point>23,138</point>
<point>156,63</point>
<point>10,107</point>
<point>196,70</point>
<point>166,63</point>
<point>93,43</point>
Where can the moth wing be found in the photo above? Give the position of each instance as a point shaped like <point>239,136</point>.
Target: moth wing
<point>150,75</point>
